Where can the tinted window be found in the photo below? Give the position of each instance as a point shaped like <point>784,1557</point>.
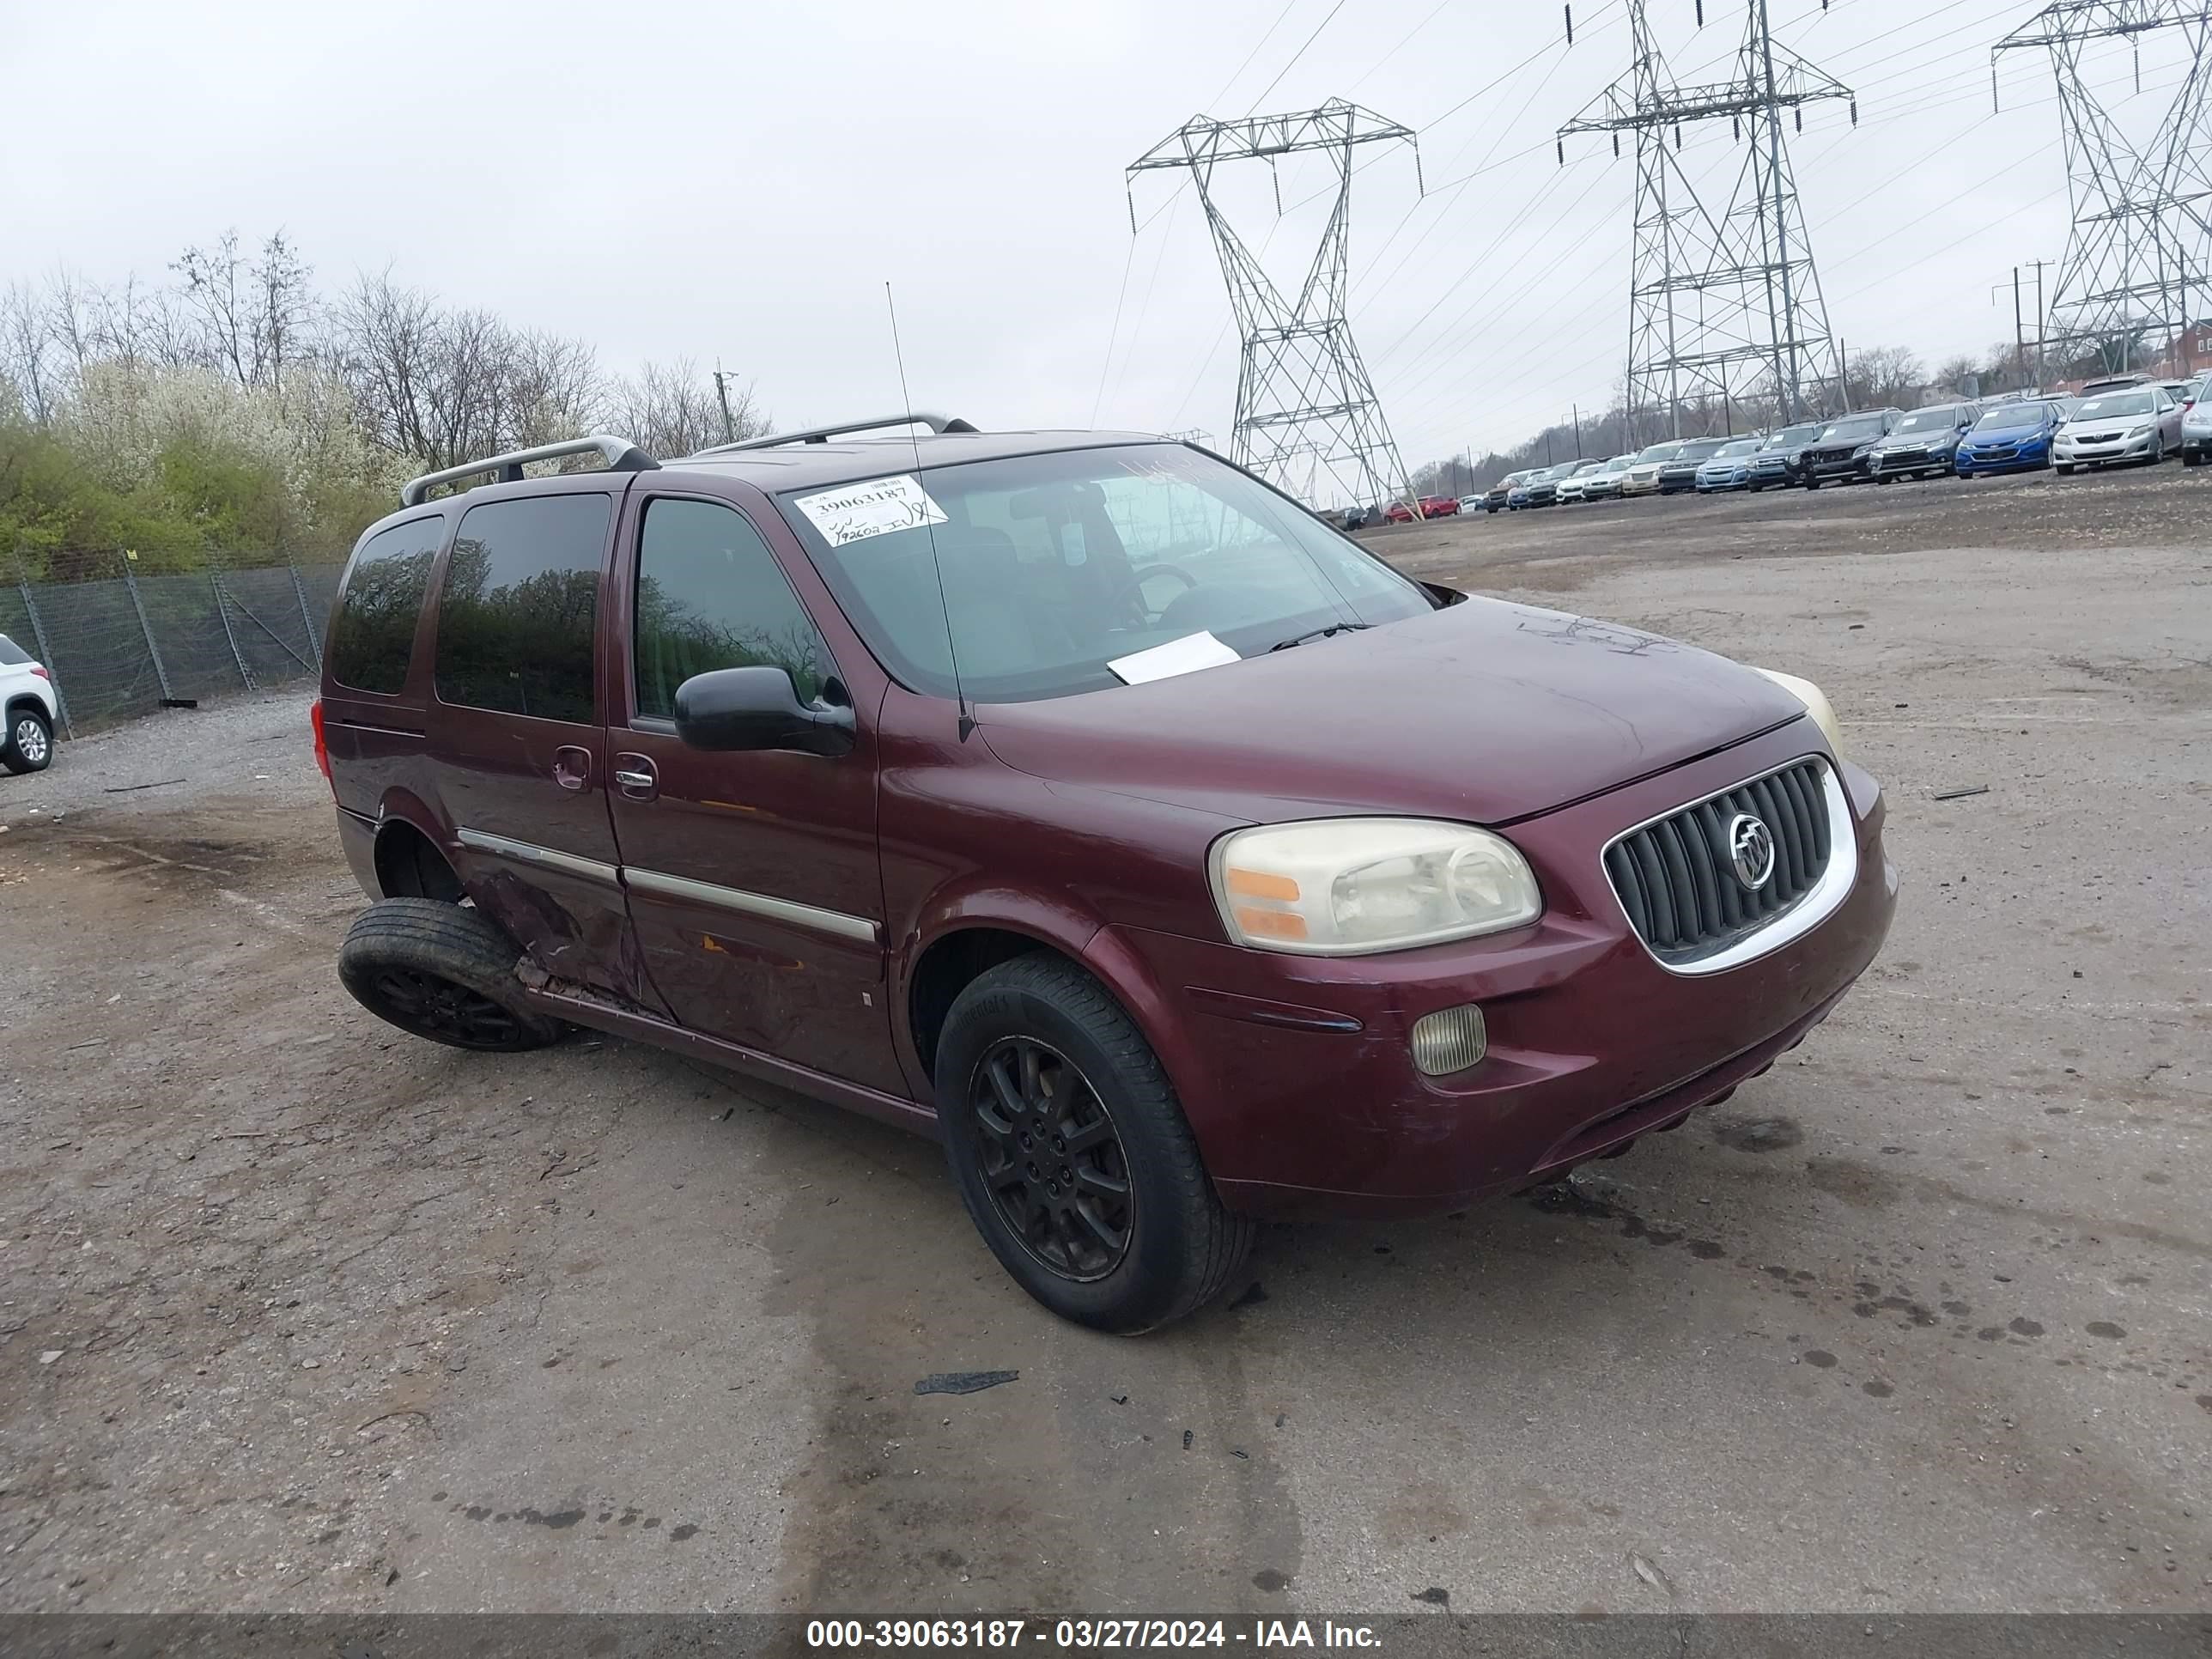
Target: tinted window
<point>11,652</point>
<point>514,624</point>
<point>710,595</point>
<point>372,635</point>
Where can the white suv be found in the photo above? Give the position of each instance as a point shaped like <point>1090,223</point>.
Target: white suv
<point>27,691</point>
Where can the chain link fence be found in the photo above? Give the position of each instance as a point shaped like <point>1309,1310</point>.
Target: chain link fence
<point>120,645</point>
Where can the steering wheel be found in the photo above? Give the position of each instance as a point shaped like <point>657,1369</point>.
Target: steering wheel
<point>1134,589</point>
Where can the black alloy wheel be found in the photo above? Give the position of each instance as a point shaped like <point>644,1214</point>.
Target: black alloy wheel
<point>1072,1152</point>
<point>1051,1159</point>
<point>442,971</point>
<point>442,1011</point>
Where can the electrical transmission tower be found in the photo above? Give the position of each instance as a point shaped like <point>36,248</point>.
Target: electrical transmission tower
<point>1726,308</point>
<point>1307,417</point>
<point>2142,219</point>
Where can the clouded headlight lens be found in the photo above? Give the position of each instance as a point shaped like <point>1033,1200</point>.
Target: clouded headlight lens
<point>1347,886</point>
<point>1816,705</point>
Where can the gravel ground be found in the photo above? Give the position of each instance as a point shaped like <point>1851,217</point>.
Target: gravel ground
<point>296,1313</point>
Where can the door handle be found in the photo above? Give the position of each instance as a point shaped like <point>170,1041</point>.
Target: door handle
<point>636,777</point>
<point>572,767</point>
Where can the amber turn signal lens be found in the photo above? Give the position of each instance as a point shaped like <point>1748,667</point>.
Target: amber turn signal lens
<point>1258,884</point>
<point>1270,924</point>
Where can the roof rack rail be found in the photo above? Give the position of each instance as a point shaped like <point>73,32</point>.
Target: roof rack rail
<point>620,454</point>
<point>822,434</point>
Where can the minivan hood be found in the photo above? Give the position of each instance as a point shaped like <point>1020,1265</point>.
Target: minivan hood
<point>1483,712</point>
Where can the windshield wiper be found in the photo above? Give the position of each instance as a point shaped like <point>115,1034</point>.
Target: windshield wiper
<point>1319,633</point>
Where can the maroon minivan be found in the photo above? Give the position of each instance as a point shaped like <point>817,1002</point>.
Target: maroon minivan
<point>1082,800</point>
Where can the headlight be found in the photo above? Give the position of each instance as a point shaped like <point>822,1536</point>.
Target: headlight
<point>2142,431</point>
<point>1816,705</point>
<point>1341,887</point>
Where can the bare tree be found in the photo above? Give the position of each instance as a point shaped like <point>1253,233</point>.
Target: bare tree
<point>442,387</point>
<point>1955,372</point>
<point>672,408</point>
<point>1883,375</point>
<point>255,315</point>
<point>214,295</point>
<point>286,308</point>
<point>24,349</point>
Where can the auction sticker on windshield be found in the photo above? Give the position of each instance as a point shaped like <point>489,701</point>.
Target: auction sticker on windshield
<point>852,513</point>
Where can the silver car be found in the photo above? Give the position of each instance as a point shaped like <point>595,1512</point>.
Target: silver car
<point>2196,422</point>
<point>2142,423</point>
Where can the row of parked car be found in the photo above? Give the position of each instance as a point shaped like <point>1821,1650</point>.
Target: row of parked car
<point>2129,419</point>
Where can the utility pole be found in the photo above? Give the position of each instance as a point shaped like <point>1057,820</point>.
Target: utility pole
<point>1575,414</point>
<point>2138,214</point>
<point>1308,419</point>
<point>722,396</point>
<point>2040,329</point>
<point>1729,302</point>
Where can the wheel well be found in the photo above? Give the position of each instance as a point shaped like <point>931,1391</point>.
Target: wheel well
<point>22,701</point>
<point>410,866</point>
<point>947,967</point>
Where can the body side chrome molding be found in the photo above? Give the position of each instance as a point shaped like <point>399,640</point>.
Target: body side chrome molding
<point>835,923</point>
<point>1813,906</point>
<point>544,857</point>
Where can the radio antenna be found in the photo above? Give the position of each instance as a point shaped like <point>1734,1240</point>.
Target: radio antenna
<point>944,605</point>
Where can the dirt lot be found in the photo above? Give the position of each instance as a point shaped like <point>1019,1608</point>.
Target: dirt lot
<point>297,1313</point>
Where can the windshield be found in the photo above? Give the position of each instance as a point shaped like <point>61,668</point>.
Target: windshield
<point>1792,436</point>
<point>1863,426</point>
<point>1928,420</point>
<point>1665,451</point>
<point>1701,449</point>
<point>1056,565</point>
<point>1740,447</point>
<point>2013,415</point>
<point>1618,464</point>
<point>2113,404</point>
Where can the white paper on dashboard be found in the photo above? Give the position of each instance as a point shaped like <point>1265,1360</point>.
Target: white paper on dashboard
<point>1183,656</point>
<point>852,513</point>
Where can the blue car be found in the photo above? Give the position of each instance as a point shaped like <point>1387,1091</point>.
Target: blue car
<point>1729,467</point>
<point>2011,437</point>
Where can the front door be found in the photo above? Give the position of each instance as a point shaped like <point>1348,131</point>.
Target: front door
<point>753,879</point>
<point>515,738</point>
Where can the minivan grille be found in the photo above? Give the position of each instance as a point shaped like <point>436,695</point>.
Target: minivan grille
<point>1677,878</point>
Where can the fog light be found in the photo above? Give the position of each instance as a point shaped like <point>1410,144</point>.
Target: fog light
<point>1450,1040</point>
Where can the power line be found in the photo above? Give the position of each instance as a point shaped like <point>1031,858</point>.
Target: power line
<point>1294,55</point>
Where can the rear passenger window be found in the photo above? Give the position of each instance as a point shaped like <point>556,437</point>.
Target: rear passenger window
<point>372,635</point>
<point>514,624</point>
<point>710,595</point>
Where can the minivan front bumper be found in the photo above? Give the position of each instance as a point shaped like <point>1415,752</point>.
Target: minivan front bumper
<point>1296,1075</point>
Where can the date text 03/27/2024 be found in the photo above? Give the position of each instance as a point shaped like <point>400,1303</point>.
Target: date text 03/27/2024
<point>1088,1634</point>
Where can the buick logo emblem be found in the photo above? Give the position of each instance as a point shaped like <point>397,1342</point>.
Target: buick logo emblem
<point>1751,850</point>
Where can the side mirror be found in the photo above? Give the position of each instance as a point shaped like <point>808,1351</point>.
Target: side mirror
<point>757,707</point>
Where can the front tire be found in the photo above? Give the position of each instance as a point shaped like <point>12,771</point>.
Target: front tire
<point>441,971</point>
<point>29,745</point>
<point>2063,469</point>
<point>1072,1154</point>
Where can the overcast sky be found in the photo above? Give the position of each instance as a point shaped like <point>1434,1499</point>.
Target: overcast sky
<point>738,181</point>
